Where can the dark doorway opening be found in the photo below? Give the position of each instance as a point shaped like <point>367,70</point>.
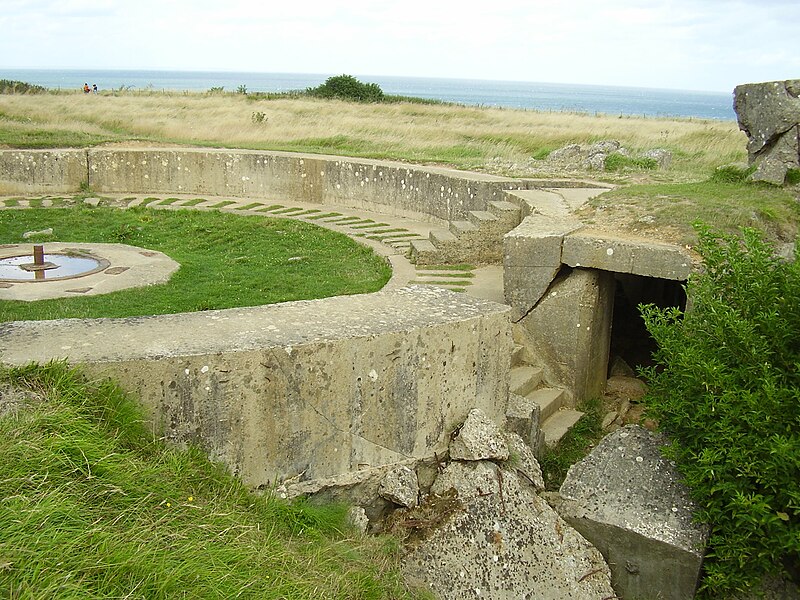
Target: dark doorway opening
<point>630,339</point>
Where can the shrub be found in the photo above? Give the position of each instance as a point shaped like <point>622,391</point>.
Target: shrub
<point>726,390</point>
<point>8,86</point>
<point>793,176</point>
<point>347,87</point>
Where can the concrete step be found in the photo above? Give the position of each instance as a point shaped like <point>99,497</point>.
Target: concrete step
<point>524,379</point>
<point>459,228</point>
<point>481,218</point>
<point>502,209</point>
<point>423,252</point>
<point>549,399</point>
<point>440,237</point>
<point>559,424</point>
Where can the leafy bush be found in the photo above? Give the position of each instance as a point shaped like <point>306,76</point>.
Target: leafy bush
<point>726,389</point>
<point>8,86</point>
<point>347,87</point>
<point>793,176</point>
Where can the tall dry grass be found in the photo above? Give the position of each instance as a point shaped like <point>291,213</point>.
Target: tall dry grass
<point>490,139</point>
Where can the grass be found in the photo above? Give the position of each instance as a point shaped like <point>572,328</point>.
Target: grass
<point>576,444</point>
<point>226,260</point>
<point>482,138</point>
<point>94,507</point>
<point>728,205</point>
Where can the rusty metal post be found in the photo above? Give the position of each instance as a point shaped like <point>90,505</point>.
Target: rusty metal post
<point>38,255</point>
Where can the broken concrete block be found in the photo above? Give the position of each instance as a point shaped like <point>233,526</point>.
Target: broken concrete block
<point>506,543</point>
<point>628,500</point>
<point>523,461</point>
<point>478,439</point>
<point>523,418</point>
<point>769,114</point>
<point>401,487</point>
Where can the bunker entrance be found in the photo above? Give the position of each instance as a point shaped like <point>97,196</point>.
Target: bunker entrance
<point>630,339</point>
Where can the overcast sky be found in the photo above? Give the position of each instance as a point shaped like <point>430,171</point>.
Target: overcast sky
<point>709,45</point>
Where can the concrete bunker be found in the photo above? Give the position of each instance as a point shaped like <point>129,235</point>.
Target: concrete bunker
<point>568,286</point>
<point>559,277</point>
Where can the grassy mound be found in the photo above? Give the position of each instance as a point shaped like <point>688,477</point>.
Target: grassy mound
<point>226,260</point>
<point>91,506</point>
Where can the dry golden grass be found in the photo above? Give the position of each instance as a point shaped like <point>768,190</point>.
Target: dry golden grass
<point>488,139</point>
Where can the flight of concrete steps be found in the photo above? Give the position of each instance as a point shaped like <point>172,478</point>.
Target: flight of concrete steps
<point>536,411</point>
<point>479,239</point>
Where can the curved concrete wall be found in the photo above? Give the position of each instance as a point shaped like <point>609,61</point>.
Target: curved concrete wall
<point>43,171</point>
<point>389,187</point>
<point>318,387</point>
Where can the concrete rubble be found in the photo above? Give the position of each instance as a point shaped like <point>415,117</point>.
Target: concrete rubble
<point>478,439</point>
<point>593,157</point>
<point>505,541</point>
<point>628,500</point>
<point>401,486</point>
<point>769,113</point>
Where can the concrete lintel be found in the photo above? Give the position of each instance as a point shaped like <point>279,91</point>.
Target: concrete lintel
<point>533,258</point>
<point>595,250</point>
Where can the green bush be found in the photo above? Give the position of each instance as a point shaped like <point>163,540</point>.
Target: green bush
<point>726,390</point>
<point>793,176</point>
<point>347,87</point>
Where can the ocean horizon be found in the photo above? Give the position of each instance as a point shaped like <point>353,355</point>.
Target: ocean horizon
<point>548,97</point>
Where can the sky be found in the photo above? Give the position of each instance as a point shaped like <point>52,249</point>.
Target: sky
<point>709,45</point>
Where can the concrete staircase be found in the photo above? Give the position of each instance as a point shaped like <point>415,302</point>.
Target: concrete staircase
<point>537,412</point>
<point>476,240</point>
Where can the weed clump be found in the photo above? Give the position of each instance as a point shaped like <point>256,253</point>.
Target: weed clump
<point>619,162</point>
<point>726,389</point>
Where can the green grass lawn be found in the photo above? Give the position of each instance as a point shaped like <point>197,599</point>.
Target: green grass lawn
<point>226,260</point>
<point>91,506</point>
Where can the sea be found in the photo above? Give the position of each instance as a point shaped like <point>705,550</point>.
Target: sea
<point>555,97</point>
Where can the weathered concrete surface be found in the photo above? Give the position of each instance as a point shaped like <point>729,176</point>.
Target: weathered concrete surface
<point>322,387</point>
<point>769,113</point>
<point>401,486</point>
<point>533,258</point>
<point>128,267</point>
<point>42,171</point>
<point>628,501</point>
<point>507,543</point>
<point>390,187</point>
<point>569,331</point>
<point>478,438</point>
<point>599,250</point>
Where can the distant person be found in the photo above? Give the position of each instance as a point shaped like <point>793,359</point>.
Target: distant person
<point>94,88</point>
<point>85,88</point>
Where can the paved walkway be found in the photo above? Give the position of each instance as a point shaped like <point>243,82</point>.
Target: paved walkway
<point>389,235</point>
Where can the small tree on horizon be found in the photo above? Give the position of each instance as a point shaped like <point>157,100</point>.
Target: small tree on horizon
<point>347,87</point>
